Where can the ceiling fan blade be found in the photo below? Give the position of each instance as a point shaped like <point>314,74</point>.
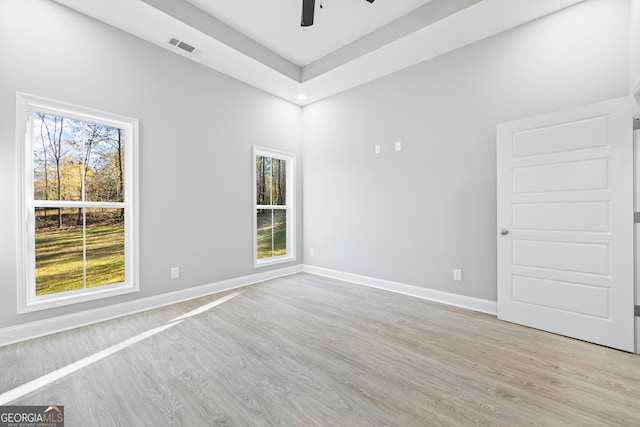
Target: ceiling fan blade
<point>308,9</point>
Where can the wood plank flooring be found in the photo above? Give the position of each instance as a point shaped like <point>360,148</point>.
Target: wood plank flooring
<point>311,351</point>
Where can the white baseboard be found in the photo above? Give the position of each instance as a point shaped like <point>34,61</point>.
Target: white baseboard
<point>476,304</point>
<point>40,328</point>
<point>53,325</point>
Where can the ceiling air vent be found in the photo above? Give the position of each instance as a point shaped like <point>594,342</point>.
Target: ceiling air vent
<point>181,45</point>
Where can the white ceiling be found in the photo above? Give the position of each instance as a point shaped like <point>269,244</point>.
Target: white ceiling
<point>276,23</point>
<point>351,42</point>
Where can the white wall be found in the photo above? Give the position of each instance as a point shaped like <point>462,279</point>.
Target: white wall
<point>414,216</point>
<point>635,46</point>
<point>197,129</point>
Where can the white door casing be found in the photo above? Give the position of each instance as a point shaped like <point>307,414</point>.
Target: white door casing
<point>636,145</point>
<point>565,198</point>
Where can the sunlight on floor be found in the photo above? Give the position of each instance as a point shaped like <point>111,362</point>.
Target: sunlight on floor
<point>49,378</point>
<point>207,306</point>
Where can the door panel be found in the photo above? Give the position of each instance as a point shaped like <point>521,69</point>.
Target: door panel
<point>553,255</point>
<point>580,216</point>
<point>570,136</point>
<point>565,197</point>
<point>568,176</point>
<point>595,300</point>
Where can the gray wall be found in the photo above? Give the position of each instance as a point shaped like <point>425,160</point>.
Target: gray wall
<point>197,129</point>
<point>414,216</point>
<point>635,42</point>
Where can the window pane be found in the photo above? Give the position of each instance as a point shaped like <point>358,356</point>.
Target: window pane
<point>57,158</point>
<point>279,232</point>
<point>272,233</point>
<point>263,180</point>
<point>279,182</point>
<point>69,153</point>
<point>104,157</point>
<point>105,246</point>
<point>59,254</point>
<point>271,181</point>
<point>265,233</point>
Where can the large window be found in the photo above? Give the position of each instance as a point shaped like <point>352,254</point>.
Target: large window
<point>78,191</point>
<point>273,206</point>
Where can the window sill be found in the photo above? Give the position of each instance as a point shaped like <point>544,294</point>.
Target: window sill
<point>273,261</point>
<point>46,302</point>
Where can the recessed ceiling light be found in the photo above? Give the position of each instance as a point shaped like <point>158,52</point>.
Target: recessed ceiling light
<point>301,96</point>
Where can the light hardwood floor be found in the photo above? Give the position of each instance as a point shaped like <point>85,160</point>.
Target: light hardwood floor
<point>306,350</point>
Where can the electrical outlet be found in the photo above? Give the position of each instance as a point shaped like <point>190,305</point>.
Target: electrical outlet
<point>457,275</point>
<point>175,272</point>
<point>312,252</point>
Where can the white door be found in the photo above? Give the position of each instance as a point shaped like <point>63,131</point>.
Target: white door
<point>565,223</point>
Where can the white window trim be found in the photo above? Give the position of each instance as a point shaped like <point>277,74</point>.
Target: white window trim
<point>290,207</point>
<point>27,301</point>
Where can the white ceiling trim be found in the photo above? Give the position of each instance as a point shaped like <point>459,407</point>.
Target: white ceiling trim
<point>275,24</point>
<point>481,20</point>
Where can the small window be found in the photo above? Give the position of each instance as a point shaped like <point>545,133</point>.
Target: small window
<point>274,221</point>
<point>78,218</point>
